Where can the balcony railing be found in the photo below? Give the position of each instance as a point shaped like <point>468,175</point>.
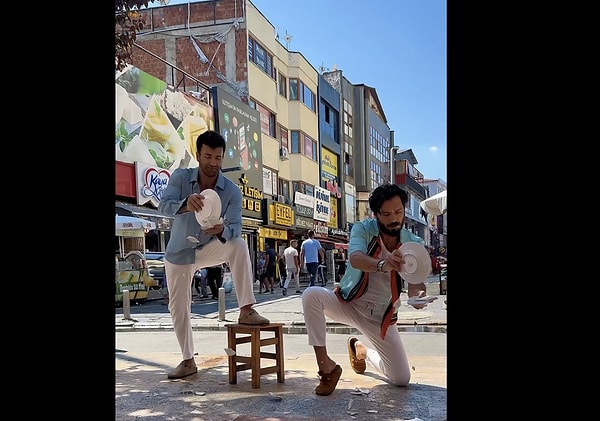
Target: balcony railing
<point>182,80</point>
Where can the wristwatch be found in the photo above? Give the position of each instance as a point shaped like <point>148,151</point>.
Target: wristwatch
<point>380,265</point>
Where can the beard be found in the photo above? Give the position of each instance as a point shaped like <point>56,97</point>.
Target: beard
<point>391,230</point>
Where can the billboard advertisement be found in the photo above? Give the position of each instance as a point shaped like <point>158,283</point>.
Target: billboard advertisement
<point>155,124</point>
<point>240,126</point>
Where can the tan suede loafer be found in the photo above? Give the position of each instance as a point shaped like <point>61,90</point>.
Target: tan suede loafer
<point>182,370</point>
<point>359,366</point>
<point>328,381</point>
<point>253,318</point>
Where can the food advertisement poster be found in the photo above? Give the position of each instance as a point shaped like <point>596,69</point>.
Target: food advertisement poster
<point>156,124</point>
<point>137,281</point>
<point>239,124</point>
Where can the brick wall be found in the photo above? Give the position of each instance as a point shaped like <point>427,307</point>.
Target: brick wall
<point>163,22</point>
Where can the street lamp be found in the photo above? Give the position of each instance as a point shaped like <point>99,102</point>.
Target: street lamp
<point>393,151</point>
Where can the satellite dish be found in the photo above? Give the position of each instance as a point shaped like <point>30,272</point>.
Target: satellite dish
<point>287,39</point>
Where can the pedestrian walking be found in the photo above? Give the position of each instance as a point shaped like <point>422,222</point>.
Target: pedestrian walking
<point>292,266</point>
<point>311,253</point>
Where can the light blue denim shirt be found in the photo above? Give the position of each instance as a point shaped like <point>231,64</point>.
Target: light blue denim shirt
<point>183,182</point>
<point>361,236</point>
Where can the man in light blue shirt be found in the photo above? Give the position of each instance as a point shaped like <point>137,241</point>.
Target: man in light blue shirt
<point>192,247</point>
<point>311,252</point>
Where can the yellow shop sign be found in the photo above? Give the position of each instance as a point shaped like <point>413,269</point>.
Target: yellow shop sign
<point>272,233</point>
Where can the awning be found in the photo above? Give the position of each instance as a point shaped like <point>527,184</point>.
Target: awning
<point>163,222</point>
<point>436,204</point>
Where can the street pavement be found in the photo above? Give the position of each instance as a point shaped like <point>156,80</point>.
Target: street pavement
<point>146,349</point>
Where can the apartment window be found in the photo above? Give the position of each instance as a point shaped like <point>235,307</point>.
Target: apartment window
<point>379,145</point>
<point>303,144</point>
<point>310,148</point>
<point>302,187</point>
<point>294,93</point>
<point>300,92</point>
<point>347,119</point>
<point>283,137</point>
<point>261,57</point>
<point>308,98</point>
<point>284,189</point>
<point>330,122</point>
<point>282,85</point>
<point>310,190</point>
<point>348,165</point>
<point>267,118</point>
<point>269,181</point>
<point>298,186</point>
<point>295,145</point>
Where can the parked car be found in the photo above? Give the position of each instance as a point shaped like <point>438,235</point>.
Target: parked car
<point>156,267</point>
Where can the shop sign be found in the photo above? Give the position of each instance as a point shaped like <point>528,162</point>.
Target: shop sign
<point>304,211</point>
<point>251,198</point>
<point>250,223</point>
<point>320,229</point>
<point>277,213</point>
<point>338,232</point>
<point>329,173</point>
<point>151,182</point>
<point>284,215</point>
<point>304,200</point>
<point>321,208</point>
<point>333,214</point>
<point>304,223</point>
<point>272,233</point>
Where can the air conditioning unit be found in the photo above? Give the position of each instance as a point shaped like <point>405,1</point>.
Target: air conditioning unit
<point>283,153</point>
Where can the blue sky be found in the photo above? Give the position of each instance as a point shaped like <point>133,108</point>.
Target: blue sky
<point>397,47</point>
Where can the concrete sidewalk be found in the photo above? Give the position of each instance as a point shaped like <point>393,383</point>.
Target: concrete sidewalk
<point>147,350</point>
<point>277,308</point>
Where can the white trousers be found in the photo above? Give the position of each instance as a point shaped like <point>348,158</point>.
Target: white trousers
<point>235,253</point>
<point>292,273</point>
<point>388,356</point>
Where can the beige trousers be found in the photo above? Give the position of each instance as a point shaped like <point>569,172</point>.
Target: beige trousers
<point>235,253</point>
<point>387,356</point>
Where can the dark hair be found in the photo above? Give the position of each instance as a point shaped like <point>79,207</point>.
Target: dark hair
<point>386,192</point>
<point>211,139</point>
<point>311,233</point>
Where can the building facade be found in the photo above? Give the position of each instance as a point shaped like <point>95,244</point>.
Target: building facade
<point>307,148</point>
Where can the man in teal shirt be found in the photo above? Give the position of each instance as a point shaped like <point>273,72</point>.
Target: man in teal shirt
<point>368,295</point>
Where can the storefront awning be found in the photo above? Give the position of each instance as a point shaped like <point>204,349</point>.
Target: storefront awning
<point>163,222</point>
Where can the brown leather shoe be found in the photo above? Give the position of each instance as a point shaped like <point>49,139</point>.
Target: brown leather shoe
<point>359,366</point>
<point>183,370</point>
<point>328,381</point>
<point>253,318</point>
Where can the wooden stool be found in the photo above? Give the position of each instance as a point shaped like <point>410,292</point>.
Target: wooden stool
<point>252,334</point>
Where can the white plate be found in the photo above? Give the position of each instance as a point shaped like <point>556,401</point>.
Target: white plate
<point>417,262</point>
<point>211,209</point>
<point>420,300</point>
